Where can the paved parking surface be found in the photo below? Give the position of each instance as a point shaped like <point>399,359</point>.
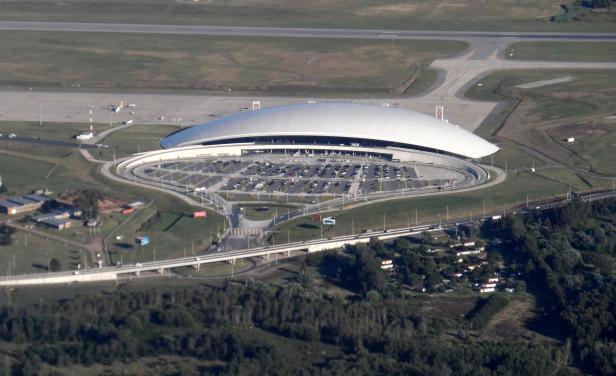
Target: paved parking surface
<point>304,178</point>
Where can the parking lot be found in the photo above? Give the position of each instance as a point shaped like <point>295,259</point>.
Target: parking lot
<point>299,177</point>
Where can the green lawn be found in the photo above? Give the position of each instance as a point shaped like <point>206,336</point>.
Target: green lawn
<point>595,141</point>
<point>265,211</point>
<point>22,176</point>
<point>590,91</point>
<point>562,51</point>
<point>291,66</point>
<point>51,131</point>
<point>62,169</point>
<point>31,254</point>
<point>544,117</point>
<point>400,213</point>
<point>520,15</point>
<point>172,234</point>
<point>135,139</point>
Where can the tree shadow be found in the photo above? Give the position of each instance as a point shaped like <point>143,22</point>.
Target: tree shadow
<point>308,226</point>
<point>123,245</point>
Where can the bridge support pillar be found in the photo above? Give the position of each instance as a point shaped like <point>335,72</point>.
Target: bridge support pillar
<point>288,253</point>
<point>138,273</point>
<point>197,266</point>
<point>161,271</point>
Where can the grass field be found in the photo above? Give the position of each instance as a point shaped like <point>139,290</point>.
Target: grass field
<point>544,117</point>
<point>135,139</point>
<point>32,253</point>
<point>523,15</point>
<point>62,169</point>
<point>562,51</point>
<point>54,131</point>
<point>401,213</point>
<point>172,234</point>
<point>239,64</point>
<point>265,211</point>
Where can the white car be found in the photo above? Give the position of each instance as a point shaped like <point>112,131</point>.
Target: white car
<point>12,135</point>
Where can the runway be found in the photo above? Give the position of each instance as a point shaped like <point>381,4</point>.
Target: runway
<point>457,74</point>
<point>248,31</point>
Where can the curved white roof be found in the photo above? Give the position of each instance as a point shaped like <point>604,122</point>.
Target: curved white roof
<point>359,121</point>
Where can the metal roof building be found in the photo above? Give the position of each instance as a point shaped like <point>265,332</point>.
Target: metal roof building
<point>336,122</point>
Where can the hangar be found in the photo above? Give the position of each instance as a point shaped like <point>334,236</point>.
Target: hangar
<point>336,124</point>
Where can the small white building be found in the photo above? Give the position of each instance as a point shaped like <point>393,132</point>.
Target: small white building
<point>468,252</point>
<point>85,136</point>
<point>387,265</point>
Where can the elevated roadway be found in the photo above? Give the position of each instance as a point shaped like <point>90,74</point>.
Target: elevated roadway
<point>114,273</point>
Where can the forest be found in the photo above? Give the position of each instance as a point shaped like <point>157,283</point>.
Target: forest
<point>248,327</point>
<point>569,254</point>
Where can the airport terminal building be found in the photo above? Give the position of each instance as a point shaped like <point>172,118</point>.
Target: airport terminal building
<point>335,124</point>
<point>313,151</point>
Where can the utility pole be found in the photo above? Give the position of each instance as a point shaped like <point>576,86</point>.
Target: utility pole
<point>40,114</point>
<point>416,222</point>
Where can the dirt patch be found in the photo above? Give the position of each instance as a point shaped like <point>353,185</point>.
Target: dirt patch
<point>387,10</point>
<point>510,324</point>
<point>165,55</point>
<point>106,205</point>
<point>451,307</point>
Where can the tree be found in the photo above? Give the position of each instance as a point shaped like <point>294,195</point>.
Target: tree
<point>427,237</point>
<point>520,287</point>
<point>367,271</point>
<point>55,265</point>
<point>6,234</point>
<point>87,201</point>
